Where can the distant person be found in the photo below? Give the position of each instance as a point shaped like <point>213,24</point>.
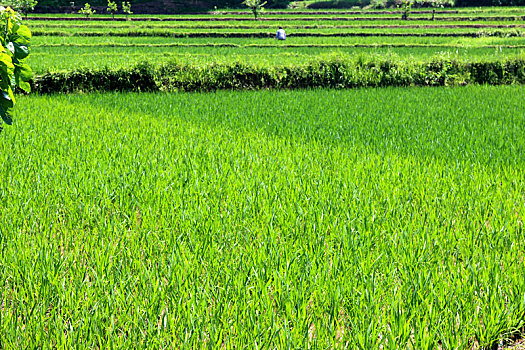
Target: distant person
<point>281,35</point>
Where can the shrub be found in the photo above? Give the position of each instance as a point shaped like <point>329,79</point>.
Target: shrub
<point>87,10</point>
<point>112,8</point>
<point>14,72</point>
<point>24,6</point>
<point>126,8</point>
<point>333,73</point>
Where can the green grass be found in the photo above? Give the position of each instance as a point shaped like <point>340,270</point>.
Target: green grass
<point>69,58</point>
<point>226,25</point>
<point>270,41</point>
<point>497,10</point>
<point>123,51</point>
<point>108,31</point>
<point>116,52</point>
<point>252,24</point>
<point>324,218</point>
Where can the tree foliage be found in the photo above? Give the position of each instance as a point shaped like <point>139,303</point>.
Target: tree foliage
<point>87,10</point>
<point>126,8</point>
<point>406,7</point>
<point>24,6</point>
<point>112,8</point>
<point>153,6</point>
<point>15,39</point>
<point>256,6</point>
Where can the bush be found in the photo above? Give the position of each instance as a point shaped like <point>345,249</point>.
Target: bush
<point>338,4</point>
<point>15,73</point>
<point>490,3</point>
<point>329,73</point>
<point>421,3</point>
<point>379,4</point>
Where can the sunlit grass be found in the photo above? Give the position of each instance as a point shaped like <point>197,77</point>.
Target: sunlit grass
<point>357,218</point>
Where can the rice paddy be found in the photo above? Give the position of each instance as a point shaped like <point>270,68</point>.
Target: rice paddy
<point>282,219</point>
<point>373,218</point>
<point>67,42</point>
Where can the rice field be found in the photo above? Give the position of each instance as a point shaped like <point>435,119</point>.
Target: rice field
<point>66,42</point>
<point>372,218</point>
<point>290,219</point>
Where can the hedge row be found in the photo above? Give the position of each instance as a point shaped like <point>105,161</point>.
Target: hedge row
<point>314,13</point>
<point>281,19</point>
<point>397,45</point>
<point>514,33</point>
<point>333,73</point>
<point>295,26</point>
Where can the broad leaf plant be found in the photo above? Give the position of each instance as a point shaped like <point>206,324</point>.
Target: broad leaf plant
<point>15,73</point>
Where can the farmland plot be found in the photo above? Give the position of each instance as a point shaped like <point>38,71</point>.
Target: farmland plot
<point>372,218</point>
<point>66,44</point>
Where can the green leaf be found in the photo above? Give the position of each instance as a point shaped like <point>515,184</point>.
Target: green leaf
<point>22,36</point>
<point>6,114</point>
<point>7,98</point>
<point>24,85</point>
<point>6,71</point>
<point>11,47</point>
<point>15,40</point>
<point>21,51</point>
<point>6,101</point>
<point>23,72</point>
<point>5,60</point>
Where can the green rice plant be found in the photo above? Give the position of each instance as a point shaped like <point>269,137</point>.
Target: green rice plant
<point>68,57</point>
<point>301,31</point>
<point>311,18</point>
<point>346,218</point>
<point>145,25</point>
<point>371,218</point>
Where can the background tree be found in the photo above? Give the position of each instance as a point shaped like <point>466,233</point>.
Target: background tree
<point>406,7</point>
<point>112,8</point>
<point>87,10</point>
<point>15,39</point>
<point>126,8</point>
<point>24,6</point>
<point>256,6</point>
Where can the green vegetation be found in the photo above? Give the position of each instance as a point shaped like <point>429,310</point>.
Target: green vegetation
<point>406,7</point>
<point>126,8</point>
<point>256,6</point>
<point>112,8</point>
<point>135,213</point>
<point>15,39</point>
<point>466,35</point>
<point>178,6</point>
<point>155,7</point>
<point>87,10</point>
<point>24,6</point>
<point>354,218</point>
<point>115,57</point>
<point>335,73</point>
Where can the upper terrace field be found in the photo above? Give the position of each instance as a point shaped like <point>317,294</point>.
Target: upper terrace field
<point>65,42</point>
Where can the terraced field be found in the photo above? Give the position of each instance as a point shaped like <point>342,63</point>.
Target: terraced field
<point>135,214</point>
<point>65,43</point>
